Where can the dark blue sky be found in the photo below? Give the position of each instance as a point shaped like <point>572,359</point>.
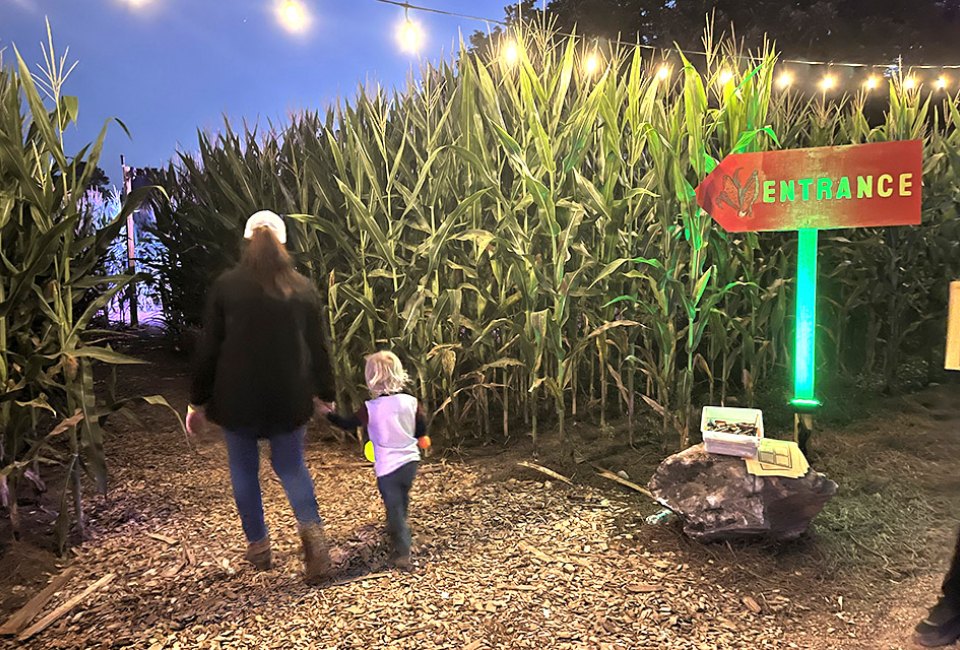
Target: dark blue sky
<point>175,65</point>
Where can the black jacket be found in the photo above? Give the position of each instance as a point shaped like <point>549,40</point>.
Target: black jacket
<point>261,359</point>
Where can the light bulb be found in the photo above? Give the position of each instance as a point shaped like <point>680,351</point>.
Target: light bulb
<point>591,63</point>
<point>725,77</point>
<point>511,54</point>
<point>785,80</point>
<point>663,72</point>
<point>941,83</point>
<point>410,36</point>
<point>292,15</point>
<point>910,83</point>
<point>829,82</point>
<point>872,82</point>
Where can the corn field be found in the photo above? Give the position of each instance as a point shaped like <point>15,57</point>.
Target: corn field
<point>526,234</point>
<point>51,290</point>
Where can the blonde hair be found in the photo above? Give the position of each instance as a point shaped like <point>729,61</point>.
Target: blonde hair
<point>272,265</point>
<point>385,374</point>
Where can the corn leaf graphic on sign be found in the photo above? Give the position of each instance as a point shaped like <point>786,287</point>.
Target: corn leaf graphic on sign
<point>856,186</point>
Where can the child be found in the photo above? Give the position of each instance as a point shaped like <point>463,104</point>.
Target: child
<point>396,426</point>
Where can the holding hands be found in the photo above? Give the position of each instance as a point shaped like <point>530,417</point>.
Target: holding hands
<point>196,420</point>
<point>322,408</point>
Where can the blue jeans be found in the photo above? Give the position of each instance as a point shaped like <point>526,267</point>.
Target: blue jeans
<point>395,490</point>
<point>286,457</point>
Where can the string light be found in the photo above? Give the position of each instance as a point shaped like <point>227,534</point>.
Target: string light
<point>511,53</point>
<point>591,64</point>
<point>664,72</point>
<point>653,48</point>
<point>411,39</point>
<point>410,36</point>
<point>292,15</point>
<point>785,80</point>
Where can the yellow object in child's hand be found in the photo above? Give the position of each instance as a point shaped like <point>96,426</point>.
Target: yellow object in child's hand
<point>368,451</point>
<point>424,442</point>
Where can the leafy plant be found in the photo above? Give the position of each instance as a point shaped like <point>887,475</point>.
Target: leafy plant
<point>525,231</point>
<point>50,291</point>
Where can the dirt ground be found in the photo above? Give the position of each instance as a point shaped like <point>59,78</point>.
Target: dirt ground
<point>507,558</point>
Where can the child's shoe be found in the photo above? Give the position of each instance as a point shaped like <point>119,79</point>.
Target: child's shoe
<point>259,554</point>
<point>941,627</point>
<point>316,555</point>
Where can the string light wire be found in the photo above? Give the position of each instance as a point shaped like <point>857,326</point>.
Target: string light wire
<point>492,21</point>
<point>443,12</point>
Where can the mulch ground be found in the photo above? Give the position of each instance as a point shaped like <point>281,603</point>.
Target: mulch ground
<point>507,558</point>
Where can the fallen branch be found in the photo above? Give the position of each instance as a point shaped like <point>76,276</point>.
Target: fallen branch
<point>52,617</point>
<point>536,552</point>
<point>545,470</point>
<point>188,555</point>
<point>411,631</point>
<point>550,559</point>
<point>174,569</point>
<point>607,474</point>
<point>162,538</point>
<point>886,560</point>
<point>28,612</point>
<point>363,578</point>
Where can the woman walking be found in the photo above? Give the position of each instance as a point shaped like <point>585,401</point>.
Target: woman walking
<point>261,371</point>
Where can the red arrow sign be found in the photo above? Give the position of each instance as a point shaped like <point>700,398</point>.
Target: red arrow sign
<point>855,186</point>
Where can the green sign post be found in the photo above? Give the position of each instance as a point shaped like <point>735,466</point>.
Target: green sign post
<point>805,349</point>
<point>807,190</point>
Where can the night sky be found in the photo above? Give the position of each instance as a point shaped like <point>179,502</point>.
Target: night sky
<point>168,67</point>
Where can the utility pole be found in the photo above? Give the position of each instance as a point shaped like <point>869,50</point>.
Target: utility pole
<point>131,244</point>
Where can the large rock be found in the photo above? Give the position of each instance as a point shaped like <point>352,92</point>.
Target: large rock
<point>717,499</point>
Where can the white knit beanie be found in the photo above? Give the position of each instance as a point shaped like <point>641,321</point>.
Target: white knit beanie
<point>266,219</point>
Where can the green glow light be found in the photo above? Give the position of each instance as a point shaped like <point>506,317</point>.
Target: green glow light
<point>805,404</point>
<point>805,351</point>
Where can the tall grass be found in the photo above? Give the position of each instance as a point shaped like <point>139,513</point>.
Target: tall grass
<point>50,292</point>
<point>527,235</point>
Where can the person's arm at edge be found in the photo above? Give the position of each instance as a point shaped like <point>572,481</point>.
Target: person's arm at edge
<point>323,381</point>
<point>208,350</point>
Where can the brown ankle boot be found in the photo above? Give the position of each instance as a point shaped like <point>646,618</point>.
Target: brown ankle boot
<point>316,556</point>
<point>403,563</point>
<point>259,555</point>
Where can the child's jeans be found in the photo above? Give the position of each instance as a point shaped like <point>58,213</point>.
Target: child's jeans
<point>395,490</point>
<point>286,456</point>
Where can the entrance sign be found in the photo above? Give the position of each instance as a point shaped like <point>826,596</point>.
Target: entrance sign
<point>856,186</point>
<point>808,190</point>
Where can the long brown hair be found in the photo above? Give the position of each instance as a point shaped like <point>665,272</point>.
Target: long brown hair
<point>272,265</point>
